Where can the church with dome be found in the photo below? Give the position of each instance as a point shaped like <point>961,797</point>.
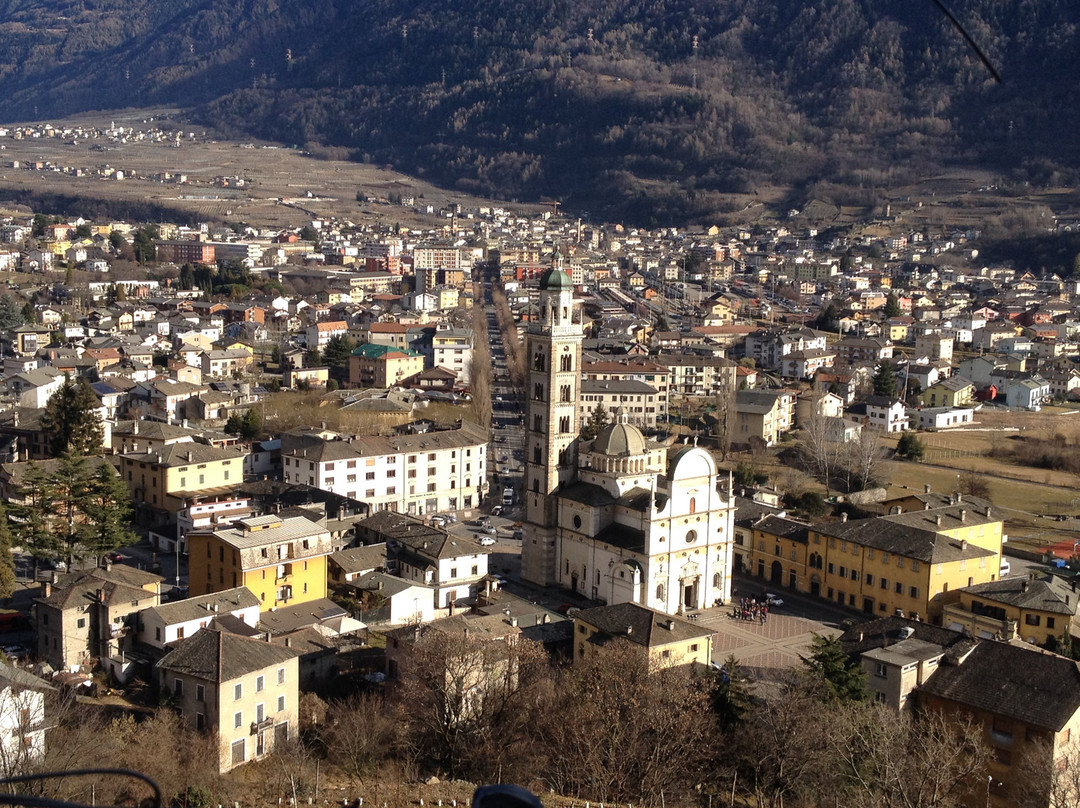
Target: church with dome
<point>619,518</point>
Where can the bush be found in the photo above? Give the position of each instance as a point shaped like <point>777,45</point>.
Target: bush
<point>910,447</point>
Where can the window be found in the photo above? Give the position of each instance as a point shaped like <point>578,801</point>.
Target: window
<point>691,536</point>
<point>281,676</point>
<point>1031,619</point>
<point>81,622</point>
<point>1050,622</point>
<point>832,569</point>
<point>238,691</point>
<point>200,721</point>
<point>659,591</point>
<point>237,719</point>
<point>880,669</point>
<point>453,572</point>
<point>899,588</point>
<point>238,752</point>
<point>913,591</point>
<point>200,693</point>
<point>869,580</point>
<point>280,704</point>
<point>178,687</point>
<point>693,646</point>
<point>914,565</point>
<point>260,683</point>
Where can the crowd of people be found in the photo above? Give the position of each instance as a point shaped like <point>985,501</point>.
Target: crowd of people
<point>750,609</point>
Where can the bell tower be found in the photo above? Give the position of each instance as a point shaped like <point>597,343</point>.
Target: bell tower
<point>553,353</point>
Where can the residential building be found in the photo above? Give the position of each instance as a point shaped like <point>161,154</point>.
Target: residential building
<point>953,392</point>
<point>639,400</point>
<point>899,654</point>
<point>23,720</point>
<point>886,415</point>
<point>902,563</point>
<point>452,349</point>
<point>243,690</point>
<point>763,414</point>
<point>379,366</point>
<point>1034,608</point>
<point>162,625</point>
<point>165,479</point>
<point>667,641</point>
<point>443,470</point>
<point>1026,702</point>
<point>91,615</point>
<point>318,334</point>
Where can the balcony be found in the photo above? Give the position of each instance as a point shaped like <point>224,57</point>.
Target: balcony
<point>260,726</point>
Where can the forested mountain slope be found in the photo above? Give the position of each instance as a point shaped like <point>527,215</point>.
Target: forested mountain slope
<point>646,110</point>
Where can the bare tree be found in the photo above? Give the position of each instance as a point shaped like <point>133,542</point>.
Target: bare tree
<point>862,458</point>
<point>362,731</point>
<point>820,449</point>
<point>480,369</point>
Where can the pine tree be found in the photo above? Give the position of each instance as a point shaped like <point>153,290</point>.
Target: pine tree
<point>841,677</point>
<point>337,350</point>
<point>68,489</point>
<point>730,698</point>
<point>7,558</point>
<point>71,417</point>
<point>892,306</point>
<point>885,380</point>
<point>107,509</point>
<point>597,421</point>
<point>31,514</point>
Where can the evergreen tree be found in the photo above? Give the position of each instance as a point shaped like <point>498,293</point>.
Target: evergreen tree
<point>892,306</point>
<point>337,350</point>
<point>829,319</point>
<point>885,380</point>
<point>71,417</point>
<point>107,509</point>
<point>67,490</point>
<point>187,277</point>
<point>909,446</point>
<point>143,244</point>
<point>31,514</point>
<point>597,421</point>
<point>730,697</point>
<point>11,316</point>
<point>7,557</point>
<point>841,677</point>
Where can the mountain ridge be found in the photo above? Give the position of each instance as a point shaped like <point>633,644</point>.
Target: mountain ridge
<point>650,112</point>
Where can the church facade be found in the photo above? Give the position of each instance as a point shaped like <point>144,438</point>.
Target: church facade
<point>618,519</point>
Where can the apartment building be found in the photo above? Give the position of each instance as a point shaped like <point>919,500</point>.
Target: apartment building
<point>246,691</point>
<point>452,350</point>
<point>165,479</point>
<point>282,560</point>
<point>416,474</point>
<point>640,401</point>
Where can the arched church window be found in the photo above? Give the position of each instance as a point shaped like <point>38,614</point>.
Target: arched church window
<point>538,361</point>
<point>660,592</point>
<point>566,363</point>
<point>693,505</point>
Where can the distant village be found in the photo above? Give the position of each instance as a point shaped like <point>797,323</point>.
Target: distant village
<point>592,502</point>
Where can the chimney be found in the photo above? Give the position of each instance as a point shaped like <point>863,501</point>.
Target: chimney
<point>926,506</point>
<point>288,642</point>
<point>1024,586</point>
<point>963,514</point>
<point>937,520</point>
<point>46,589</point>
<point>669,624</point>
<point>267,636</point>
<point>959,496</point>
<point>843,516</point>
<point>926,488</point>
<point>897,509</point>
<point>216,607</point>
<point>101,596</point>
<point>106,562</point>
<point>629,630</point>
<point>545,619</point>
<point>513,622</point>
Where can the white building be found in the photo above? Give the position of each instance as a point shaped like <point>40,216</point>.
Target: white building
<point>452,350</point>
<point>22,720</point>
<point>169,622</point>
<point>416,474</point>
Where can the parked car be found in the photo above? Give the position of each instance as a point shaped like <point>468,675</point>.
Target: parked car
<point>497,510</point>
<point>773,600</point>
<point>489,529</point>
<point>486,541</point>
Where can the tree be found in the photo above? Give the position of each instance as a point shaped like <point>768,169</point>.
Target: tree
<point>840,677</point>
<point>862,457</point>
<point>885,380</point>
<point>361,734</point>
<point>338,350</point>
<point>892,305</point>
<point>725,417</point>
<point>829,319</point>
<point>11,315</point>
<point>821,451</point>
<point>909,446</point>
<point>729,696</point>
<point>143,244</point>
<point>7,558</point>
<point>107,509</point>
<point>598,419</point>
<point>973,484</point>
<point>71,417</point>
<point>31,512</point>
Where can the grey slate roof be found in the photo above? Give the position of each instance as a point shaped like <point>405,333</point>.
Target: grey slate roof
<point>1047,593</point>
<point>217,656</point>
<point>647,627</point>
<point>194,608</point>
<point>1029,685</point>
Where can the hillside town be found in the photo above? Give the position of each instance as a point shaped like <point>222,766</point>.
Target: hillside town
<point>243,467</point>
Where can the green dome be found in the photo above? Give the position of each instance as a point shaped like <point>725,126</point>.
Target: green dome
<point>555,279</point>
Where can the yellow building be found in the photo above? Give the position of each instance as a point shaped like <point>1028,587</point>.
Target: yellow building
<point>280,560</point>
<point>164,479</point>
<point>380,366</point>
<point>955,391</point>
<point>902,563</point>
<point>1033,609</point>
<point>667,640</point>
<point>245,691</point>
<point>1026,703</point>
